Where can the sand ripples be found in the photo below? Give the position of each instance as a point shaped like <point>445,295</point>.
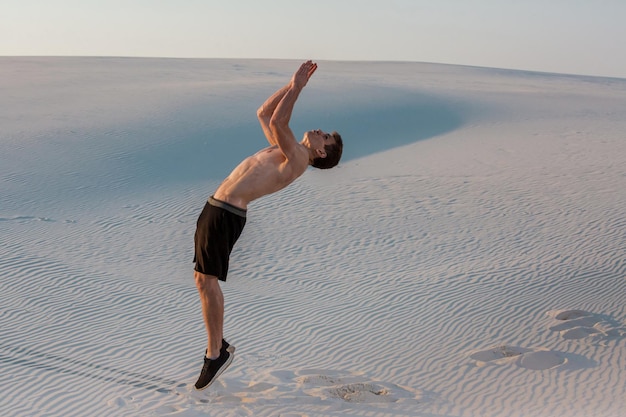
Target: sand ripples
<point>397,285</point>
<point>480,273</point>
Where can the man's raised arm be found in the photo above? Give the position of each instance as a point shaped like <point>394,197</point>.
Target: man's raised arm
<point>265,112</point>
<point>279,121</point>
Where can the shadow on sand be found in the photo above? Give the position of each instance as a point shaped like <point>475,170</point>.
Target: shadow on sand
<point>379,124</point>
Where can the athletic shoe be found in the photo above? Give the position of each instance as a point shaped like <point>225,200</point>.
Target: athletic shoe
<point>227,346</point>
<point>215,367</point>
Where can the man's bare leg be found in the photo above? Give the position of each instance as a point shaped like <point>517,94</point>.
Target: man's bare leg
<point>219,353</point>
<point>212,301</point>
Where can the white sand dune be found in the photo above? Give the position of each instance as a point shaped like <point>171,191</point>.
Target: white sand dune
<point>467,258</point>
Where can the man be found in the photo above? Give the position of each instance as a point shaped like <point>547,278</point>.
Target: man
<point>224,215</point>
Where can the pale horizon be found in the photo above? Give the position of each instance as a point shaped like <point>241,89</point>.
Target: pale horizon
<point>583,38</point>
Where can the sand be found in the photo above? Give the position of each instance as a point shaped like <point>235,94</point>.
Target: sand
<point>466,258</point>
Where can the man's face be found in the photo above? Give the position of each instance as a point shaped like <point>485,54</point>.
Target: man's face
<point>318,139</point>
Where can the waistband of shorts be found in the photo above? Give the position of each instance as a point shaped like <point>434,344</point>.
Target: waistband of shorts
<point>228,207</point>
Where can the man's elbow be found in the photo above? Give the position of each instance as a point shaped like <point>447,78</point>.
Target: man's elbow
<point>263,117</point>
<point>277,123</point>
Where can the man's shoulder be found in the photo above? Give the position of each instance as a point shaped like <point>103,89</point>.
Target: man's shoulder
<point>300,156</point>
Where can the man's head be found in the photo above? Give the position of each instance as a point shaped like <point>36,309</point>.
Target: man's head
<point>328,148</point>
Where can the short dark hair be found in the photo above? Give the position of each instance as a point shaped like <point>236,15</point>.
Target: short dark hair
<point>333,154</point>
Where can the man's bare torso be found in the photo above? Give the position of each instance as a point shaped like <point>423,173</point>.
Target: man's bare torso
<point>265,172</point>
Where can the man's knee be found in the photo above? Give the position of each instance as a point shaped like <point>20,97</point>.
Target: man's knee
<point>205,283</point>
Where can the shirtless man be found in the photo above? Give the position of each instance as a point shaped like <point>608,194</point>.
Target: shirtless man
<point>224,215</point>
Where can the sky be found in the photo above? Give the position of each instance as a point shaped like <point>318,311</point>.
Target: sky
<point>563,36</point>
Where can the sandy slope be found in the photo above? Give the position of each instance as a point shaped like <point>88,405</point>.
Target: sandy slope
<point>467,259</point>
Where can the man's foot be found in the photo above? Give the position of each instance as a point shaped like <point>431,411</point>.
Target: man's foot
<point>214,367</point>
<point>227,346</point>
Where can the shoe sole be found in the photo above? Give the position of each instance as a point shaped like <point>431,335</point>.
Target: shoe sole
<point>230,349</point>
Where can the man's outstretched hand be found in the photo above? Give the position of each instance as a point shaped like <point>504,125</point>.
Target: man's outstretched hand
<point>301,77</point>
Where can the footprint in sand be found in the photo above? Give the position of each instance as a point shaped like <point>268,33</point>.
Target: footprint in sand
<point>321,387</point>
<point>498,354</point>
<point>348,388</point>
<point>541,360</point>
<point>583,325</point>
<point>26,219</point>
<point>536,360</point>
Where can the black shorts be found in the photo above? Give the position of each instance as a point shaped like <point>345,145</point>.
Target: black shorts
<point>219,226</point>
